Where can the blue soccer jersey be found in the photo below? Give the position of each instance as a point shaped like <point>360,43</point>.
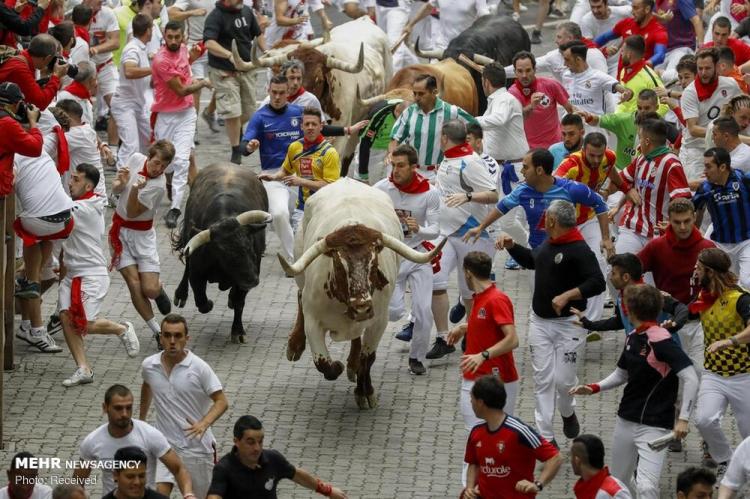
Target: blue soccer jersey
<point>275,131</point>
<point>729,207</point>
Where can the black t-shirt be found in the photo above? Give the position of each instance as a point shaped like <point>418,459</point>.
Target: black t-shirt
<point>150,494</point>
<point>650,395</point>
<point>233,480</point>
<point>224,25</point>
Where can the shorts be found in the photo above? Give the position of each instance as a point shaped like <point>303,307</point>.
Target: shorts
<point>107,78</point>
<point>139,248</point>
<point>199,466</point>
<point>235,93</point>
<point>454,252</point>
<point>200,67</point>
<point>93,288</point>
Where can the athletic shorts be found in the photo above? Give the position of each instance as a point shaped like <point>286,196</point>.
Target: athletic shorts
<point>139,248</point>
<point>200,67</point>
<point>94,290</point>
<point>107,78</point>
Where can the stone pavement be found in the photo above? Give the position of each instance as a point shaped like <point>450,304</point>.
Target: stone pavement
<point>410,446</point>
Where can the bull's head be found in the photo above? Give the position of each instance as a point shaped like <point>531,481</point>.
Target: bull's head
<point>355,273</point>
<point>233,249</point>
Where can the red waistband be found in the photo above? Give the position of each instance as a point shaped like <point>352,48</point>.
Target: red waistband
<point>30,239</point>
<point>114,234</point>
<point>99,67</point>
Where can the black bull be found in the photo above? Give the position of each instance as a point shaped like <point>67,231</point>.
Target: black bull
<point>216,245</point>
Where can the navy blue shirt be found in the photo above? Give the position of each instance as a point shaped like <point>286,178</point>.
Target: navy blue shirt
<point>729,207</point>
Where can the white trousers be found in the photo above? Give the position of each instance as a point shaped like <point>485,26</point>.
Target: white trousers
<point>179,129</point>
<point>692,162</point>
<point>691,339</point>
<point>716,392</point>
<point>630,448</point>
<point>419,278</point>
<point>739,253</point>
<point>556,345</point>
<point>580,9</point>
<point>669,66</point>
<point>454,252</point>
<point>200,467</point>
<point>630,242</point>
<point>133,127</point>
<point>392,20</point>
<point>593,237</point>
<point>279,200</point>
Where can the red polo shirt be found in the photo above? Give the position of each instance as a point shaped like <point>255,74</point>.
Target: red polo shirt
<point>741,50</point>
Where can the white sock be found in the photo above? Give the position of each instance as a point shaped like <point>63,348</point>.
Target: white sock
<point>38,331</point>
<point>154,325</point>
<point>25,324</point>
<point>442,335</point>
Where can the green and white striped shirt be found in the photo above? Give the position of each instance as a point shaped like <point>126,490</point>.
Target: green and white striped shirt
<point>422,130</point>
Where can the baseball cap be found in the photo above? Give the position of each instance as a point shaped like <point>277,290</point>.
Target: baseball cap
<point>10,93</point>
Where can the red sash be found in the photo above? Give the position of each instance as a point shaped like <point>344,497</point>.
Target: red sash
<point>435,262</point>
<point>114,234</point>
<point>63,153</point>
<point>30,239</point>
<point>76,310</point>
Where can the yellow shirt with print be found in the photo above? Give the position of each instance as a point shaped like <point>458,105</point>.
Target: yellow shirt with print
<point>319,162</point>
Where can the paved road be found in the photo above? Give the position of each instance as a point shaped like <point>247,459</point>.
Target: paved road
<point>410,446</point>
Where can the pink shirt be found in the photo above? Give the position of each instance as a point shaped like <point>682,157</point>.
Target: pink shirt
<point>165,66</point>
<point>542,125</point>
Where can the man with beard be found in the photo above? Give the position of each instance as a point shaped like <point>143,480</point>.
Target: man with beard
<point>539,97</point>
<point>636,74</point>
<point>572,134</point>
<point>24,482</point>
<point>175,115</point>
<point>121,430</point>
<point>642,23</point>
<point>701,102</point>
<point>601,19</point>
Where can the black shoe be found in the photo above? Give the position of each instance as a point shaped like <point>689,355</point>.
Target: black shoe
<point>440,349</point>
<point>458,311</point>
<point>416,367</point>
<point>170,219</point>
<point>236,155</point>
<point>675,446</point>
<point>406,332</point>
<point>536,37</point>
<point>28,290</point>
<point>101,124</point>
<point>163,303</point>
<point>707,461</point>
<point>571,428</point>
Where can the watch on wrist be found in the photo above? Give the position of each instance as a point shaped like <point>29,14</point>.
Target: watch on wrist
<point>469,196</point>
<point>486,354</point>
<point>539,485</point>
<point>734,341</point>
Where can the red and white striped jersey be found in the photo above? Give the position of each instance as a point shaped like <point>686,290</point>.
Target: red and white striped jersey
<point>658,180</point>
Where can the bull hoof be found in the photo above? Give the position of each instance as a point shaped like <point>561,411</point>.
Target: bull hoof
<point>367,401</point>
<point>230,305</point>
<point>292,354</point>
<point>351,374</point>
<point>330,371</point>
<point>238,338</point>
<point>207,307</point>
<point>180,300</point>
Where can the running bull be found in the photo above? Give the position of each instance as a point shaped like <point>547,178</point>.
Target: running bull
<point>223,238</point>
<point>346,269</point>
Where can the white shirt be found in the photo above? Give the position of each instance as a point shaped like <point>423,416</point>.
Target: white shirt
<point>88,112</point>
<point>79,53</point>
<point>150,196</point>
<point>84,148</point>
<point>38,188</point>
<point>304,100</point>
<point>590,90</point>
<point>707,110</point>
<point>195,23</point>
<point>738,472</point>
<point>553,62</point>
<point>294,9</point>
<point>424,207</point>
<point>105,22</point>
<point>84,253</point>
<point>740,157</point>
<point>592,27</point>
<point>99,445</point>
<point>457,15</point>
<point>454,175</point>
<point>185,394</point>
<point>154,43</point>
<point>132,92</point>
<point>502,124</point>
<point>40,491</point>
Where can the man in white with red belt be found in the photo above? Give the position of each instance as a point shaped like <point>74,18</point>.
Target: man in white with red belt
<point>417,205</point>
<point>141,186</point>
<point>86,280</point>
<point>173,115</point>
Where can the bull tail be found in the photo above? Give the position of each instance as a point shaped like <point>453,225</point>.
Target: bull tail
<point>179,240</point>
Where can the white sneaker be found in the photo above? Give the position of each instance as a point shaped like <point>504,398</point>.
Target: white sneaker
<point>40,340</point>
<point>23,332</point>
<point>80,377</point>
<point>130,340</point>
<point>523,8</point>
<point>516,16</point>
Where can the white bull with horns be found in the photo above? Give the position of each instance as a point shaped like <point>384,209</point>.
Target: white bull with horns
<point>347,261</point>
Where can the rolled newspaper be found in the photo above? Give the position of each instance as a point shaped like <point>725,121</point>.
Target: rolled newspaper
<point>661,443</point>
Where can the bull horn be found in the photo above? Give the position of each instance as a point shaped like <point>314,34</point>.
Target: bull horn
<point>312,43</point>
<point>266,62</point>
<point>409,253</point>
<point>306,259</point>
<point>239,63</point>
<point>254,217</point>
<point>196,242</point>
<point>428,54</point>
<point>370,100</point>
<point>348,67</point>
<point>483,59</point>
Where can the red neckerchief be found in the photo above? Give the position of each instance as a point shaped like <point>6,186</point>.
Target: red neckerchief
<point>144,172</point>
<point>706,91</point>
<point>704,301</point>
<point>458,151</point>
<point>588,489</point>
<point>571,236</point>
<point>623,305</point>
<point>63,152</point>
<point>308,144</point>
<point>526,92</point>
<point>673,242</point>
<point>296,94</point>
<point>77,89</point>
<point>628,72</point>
<point>82,33</point>
<point>417,185</point>
<point>645,326</point>
<point>87,195</point>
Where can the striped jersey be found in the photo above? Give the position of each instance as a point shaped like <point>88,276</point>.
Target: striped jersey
<point>575,167</point>
<point>422,130</point>
<point>535,203</point>
<point>729,207</point>
<point>658,178</point>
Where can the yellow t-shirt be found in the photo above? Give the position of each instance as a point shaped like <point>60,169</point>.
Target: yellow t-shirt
<point>320,162</point>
